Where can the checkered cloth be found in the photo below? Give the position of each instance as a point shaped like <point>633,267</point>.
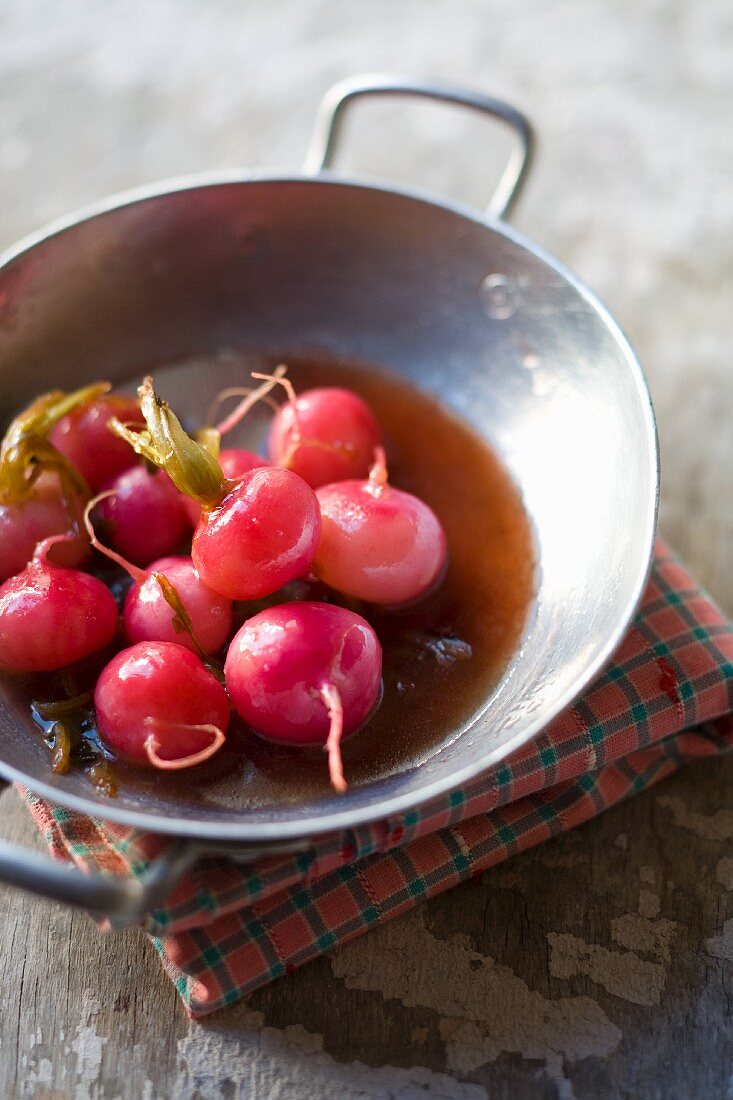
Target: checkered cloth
<point>664,700</point>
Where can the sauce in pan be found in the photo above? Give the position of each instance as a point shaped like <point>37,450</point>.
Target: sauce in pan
<point>442,656</point>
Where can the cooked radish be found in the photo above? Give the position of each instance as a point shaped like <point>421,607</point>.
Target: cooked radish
<point>307,674</point>
<point>156,704</point>
<point>168,601</point>
<point>83,436</point>
<point>51,616</point>
<point>256,533</point>
<point>378,543</point>
<point>41,492</point>
<point>323,435</point>
<point>143,516</point>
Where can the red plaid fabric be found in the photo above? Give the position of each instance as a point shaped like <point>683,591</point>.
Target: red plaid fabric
<point>665,699</point>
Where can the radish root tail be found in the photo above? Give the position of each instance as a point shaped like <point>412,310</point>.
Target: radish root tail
<point>251,398</point>
<point>138,575</point>
<point>332,699</point>
<point>152,745</point>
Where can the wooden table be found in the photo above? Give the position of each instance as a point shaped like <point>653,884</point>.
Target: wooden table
<point>599,965</point>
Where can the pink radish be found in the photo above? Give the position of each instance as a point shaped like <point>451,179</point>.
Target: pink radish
<point>378,543</point>
<point>306,674</point>
<point>46,511</point>
<point>234,463</point>
<point>51,616</point>
<point>323,435</point>
<point>255,533</point>
<point>263,534</point>
<point>85,439</point>
<point>157,704</point>
<point>168,601</point>
<point>147,614</point>
<point>41,492</point>
<point>143,516</point>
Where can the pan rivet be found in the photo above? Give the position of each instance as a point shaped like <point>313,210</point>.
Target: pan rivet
<point>498,295</point>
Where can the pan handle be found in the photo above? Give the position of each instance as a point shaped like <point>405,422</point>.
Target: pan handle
<point>329,120</point>
<point>119,900</point>
<point>122,901</point>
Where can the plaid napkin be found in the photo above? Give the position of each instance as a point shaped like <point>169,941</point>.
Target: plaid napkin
<point>665,699</point>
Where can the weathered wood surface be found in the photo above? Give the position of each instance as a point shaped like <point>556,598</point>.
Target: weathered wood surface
<point>600,965</point>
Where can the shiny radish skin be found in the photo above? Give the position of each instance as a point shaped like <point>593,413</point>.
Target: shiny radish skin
<point>84,438</point>
<point>235,462</point>
<point>338,431</point>
<point>263,534</point>
<point>148,617</point>
<point>254,534</point>
<point>42,495</point>
<point>51,616</point>
<point>145,519</point>
<point>25,523</point>
<point>160,691</point>
<point>286,665</point>
<point>378,543</point>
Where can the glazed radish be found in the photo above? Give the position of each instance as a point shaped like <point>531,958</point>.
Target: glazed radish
<point>378,543</point>
<point>51,616</point>
<point>306,674</point>
<point>41,493</point>
<point>234,462</point>
<point>168,601</point>
<point>256,533</point>
<point>263,534</point>
<point>323,435</point>
<point>45,512</point>
<point>157,704</point>
<point>148,613</point>
<point>143,516</point>
<point>85,439</point>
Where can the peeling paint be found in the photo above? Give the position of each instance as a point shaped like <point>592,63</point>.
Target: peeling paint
<point>717,826</point>
<point>37,1079</point>
<point>622,974</point>
<point>245,1060</point>
<point>721,947</point>
<point>88,1047</point>
<point>649,903</point>
<point>290,1064</point>
<point>486,1008</point>
<point>638,933</point>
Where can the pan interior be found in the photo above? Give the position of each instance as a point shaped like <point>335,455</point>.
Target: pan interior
<point>468,313</point>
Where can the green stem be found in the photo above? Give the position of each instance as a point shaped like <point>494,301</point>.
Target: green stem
<point>181,619</point>
<point>190,466</point>
<point>25,451</point>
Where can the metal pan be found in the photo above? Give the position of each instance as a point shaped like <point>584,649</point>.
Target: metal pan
<point>459,303</point>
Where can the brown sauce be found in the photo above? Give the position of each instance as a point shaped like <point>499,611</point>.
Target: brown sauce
<point>442,657</point>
